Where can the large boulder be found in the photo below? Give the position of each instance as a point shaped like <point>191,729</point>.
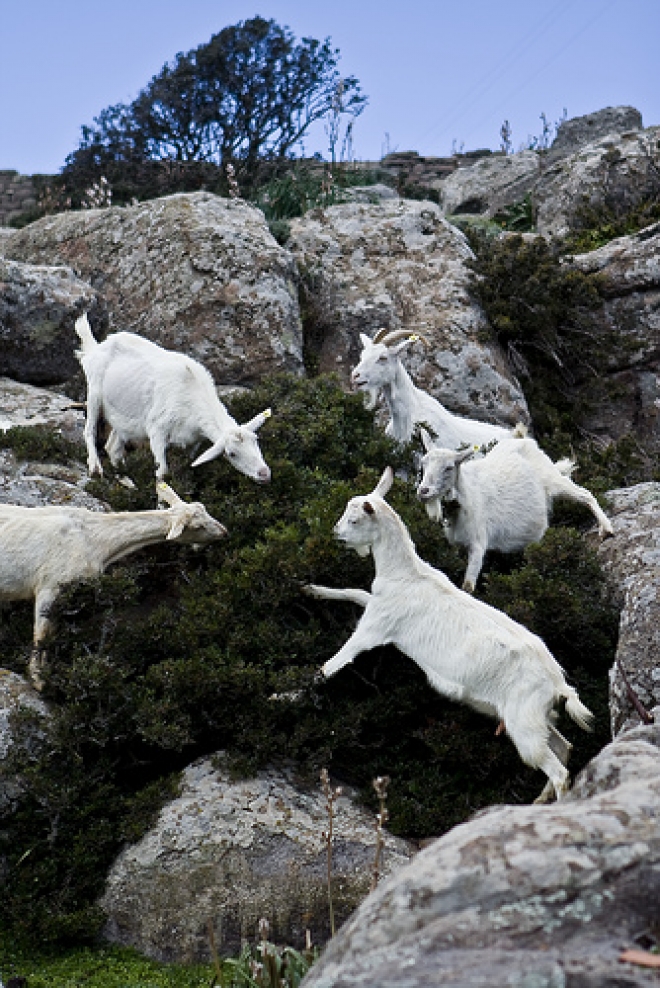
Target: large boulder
<point>575,133</point>
<point>522,896</point>
<point>229,853</point>
<point>193,272</point>
<point>401,265</point>
<point>631,561</point>
<point>616,173</point>
<point>38,307</point>
<point>628,270</point>
<point>491,184</point>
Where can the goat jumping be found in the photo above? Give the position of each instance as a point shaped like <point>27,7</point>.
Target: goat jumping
<point>470,652</point>
<point>146,392</point>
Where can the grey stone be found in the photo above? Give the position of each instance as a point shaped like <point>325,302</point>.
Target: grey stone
<point>616,172</point>
<point>195,273</point>
<point>578,131</point>
<point>231,853</point>
<point>521,895</point>
<point>401,265</point>
<point>491,184</point>
<point>16,694</point>
<point>38,307</point>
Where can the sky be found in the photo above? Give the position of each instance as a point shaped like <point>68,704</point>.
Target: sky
<point>440,75</point>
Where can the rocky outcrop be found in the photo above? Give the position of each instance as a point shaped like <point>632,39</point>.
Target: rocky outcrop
<point>617,173</point>
<point>38,307</point>
<point>195,273</point>
<point>631,561</point>
<point>522,895</point>
<point>628,270</point>
<point>402,266</point>
<point>229,853</point>
<point>490,185</point>
<point>15,695</point>
<point>575,133</point>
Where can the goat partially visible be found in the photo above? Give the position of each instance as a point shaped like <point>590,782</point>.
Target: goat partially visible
<point>146,392</point>
<point>381,370</point>
<point>469,651</point>
<point>44,549</point>
<point>502,501</point>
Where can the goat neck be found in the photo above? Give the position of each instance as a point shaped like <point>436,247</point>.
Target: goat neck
<point>119,534</point>
<point>393,550</point>
<point>399,395</point>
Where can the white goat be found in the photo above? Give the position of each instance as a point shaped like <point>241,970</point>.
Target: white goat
<point>502,501</point>
<point>43,549</point>
<point>381,370</point>
<point>145,392</point>
<point>468,650</point>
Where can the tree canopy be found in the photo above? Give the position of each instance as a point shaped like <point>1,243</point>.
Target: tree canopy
<point>249,94</point>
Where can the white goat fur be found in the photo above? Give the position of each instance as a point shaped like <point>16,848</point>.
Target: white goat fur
<point>43,549</point>
<point>146,392</point>
<point>469,651</point>
<point>381,370</point>
<point>502,501</point>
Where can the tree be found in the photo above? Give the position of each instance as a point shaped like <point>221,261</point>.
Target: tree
<point>249,94</point>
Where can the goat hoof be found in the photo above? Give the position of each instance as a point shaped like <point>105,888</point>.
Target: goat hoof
<point>468,586</point>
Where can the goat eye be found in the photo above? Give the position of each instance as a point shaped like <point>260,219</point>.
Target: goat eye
<point>381,360</point>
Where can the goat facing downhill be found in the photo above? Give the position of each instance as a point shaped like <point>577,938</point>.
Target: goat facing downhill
<point>380,370</point>
<point>146,392</point>
<point>44,549</point>
<point>469,651</point>
<point>502,501</point>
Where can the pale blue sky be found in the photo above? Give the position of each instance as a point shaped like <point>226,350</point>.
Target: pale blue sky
<point>435,72</point>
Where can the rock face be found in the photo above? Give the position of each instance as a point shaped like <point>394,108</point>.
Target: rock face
<point>491,184</point>
<point>38,306</point>
<point>542,896</point>
<point>616,172</point>
<point>230,853</point>
<point>632,562</point>
<point>195,273</point>
<point>15,694</point>
<point>629,273</point>
<point>402,266</point>
<point>575,133</point>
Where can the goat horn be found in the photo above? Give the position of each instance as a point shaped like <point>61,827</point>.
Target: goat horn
<point>402,334</point>
<point>380,335</point>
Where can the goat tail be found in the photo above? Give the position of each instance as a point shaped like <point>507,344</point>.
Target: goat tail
<point>577,711</point>
<point>566,466</point>
<point>84,331</point>
<point>520,431</point>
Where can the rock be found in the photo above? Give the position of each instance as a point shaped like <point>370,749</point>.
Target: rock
<point>192,272</point>
<point>369,193</point>
<point>38,307</point>
<point>25,405</point>
<point>575,133</point>
<point>5,233</point>
<point>402,266</point>
<point>617,173</point>
<point>232,852</point>
<point>15,694</point>
<point>542,896</point>
<point>490,185</point>
<point>628,269</point>
<point>631,561</point>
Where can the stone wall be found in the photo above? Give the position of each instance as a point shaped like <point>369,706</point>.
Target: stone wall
<point>18,193</point>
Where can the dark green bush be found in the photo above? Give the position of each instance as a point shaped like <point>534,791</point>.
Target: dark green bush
<point>176,654</point>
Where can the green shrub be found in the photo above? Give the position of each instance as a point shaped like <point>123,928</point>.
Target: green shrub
<point>41,443</point>
<point>175,655</point>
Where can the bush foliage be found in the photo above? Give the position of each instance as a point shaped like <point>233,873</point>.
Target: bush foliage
<point>176,654</point>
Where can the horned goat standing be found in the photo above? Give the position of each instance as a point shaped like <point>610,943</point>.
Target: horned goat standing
<point>502,501</point>
<point>44,549</point>
<point>146,392</point>
<point>469,651</point>
<point>380,370</point>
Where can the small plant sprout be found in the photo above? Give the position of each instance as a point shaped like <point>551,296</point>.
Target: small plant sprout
<point>331,796</point>
<point>380,785</point>
<point>98,195</point>
<point>234,191</point>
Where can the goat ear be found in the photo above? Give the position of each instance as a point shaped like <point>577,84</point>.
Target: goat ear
<point>364,339</point>
<point>211,454</point>
<point>166,494</point>
<point>382,487</point>
<point>427,441</point>
<point>176,528</point>
<point>258,420</point>
<point>465,454</point>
